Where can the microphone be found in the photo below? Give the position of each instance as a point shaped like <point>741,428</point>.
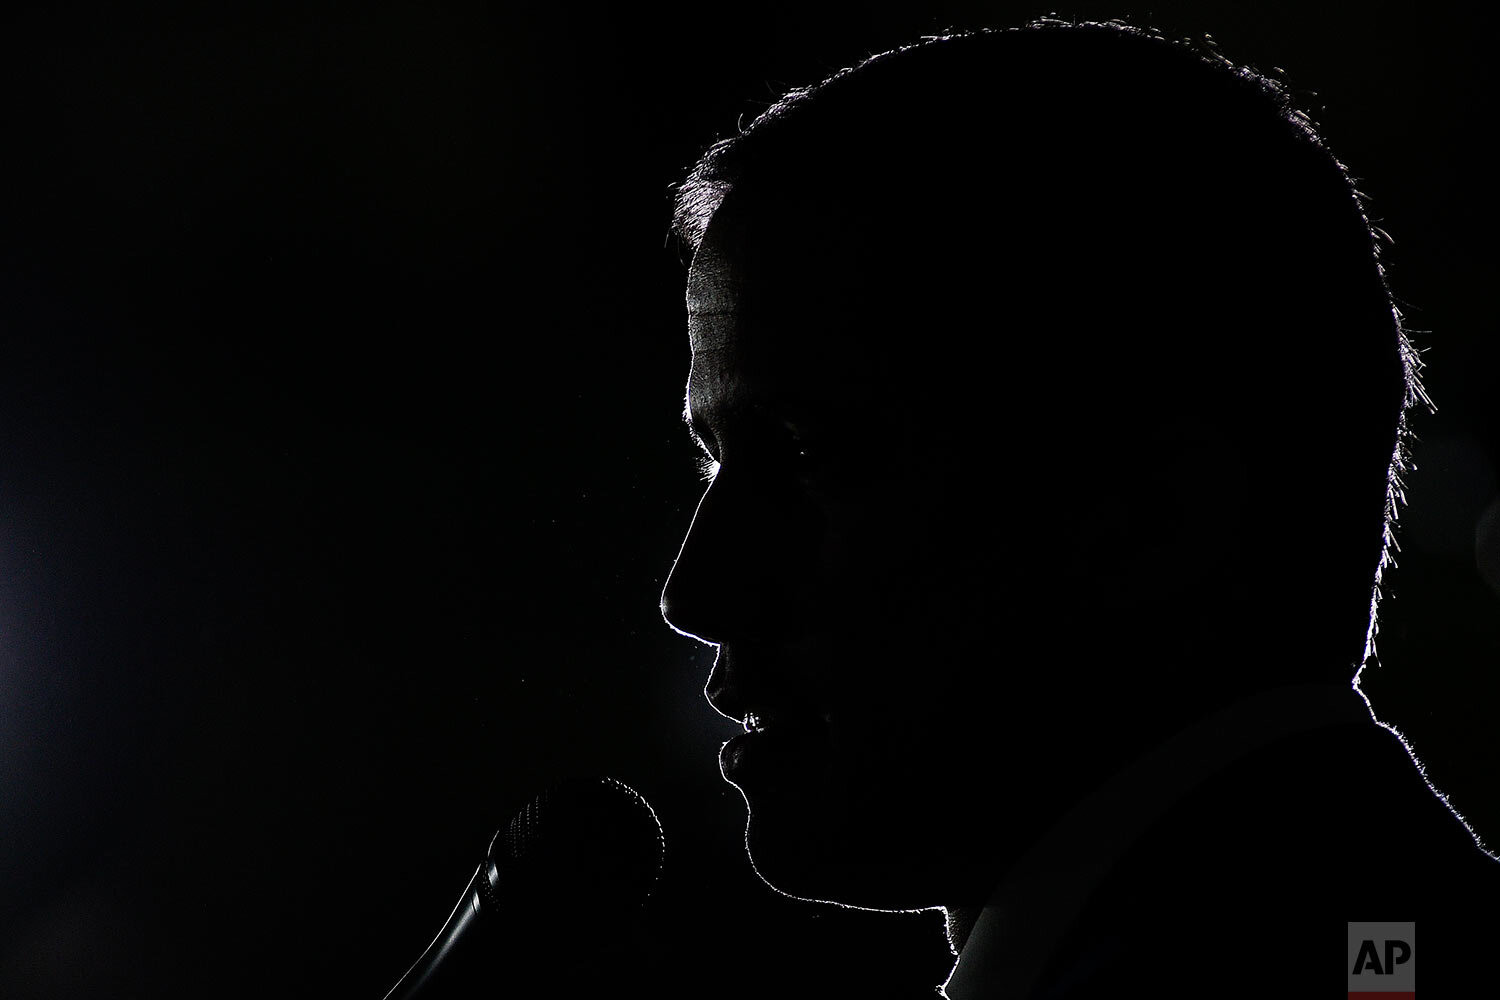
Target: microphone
<point>592,842</point>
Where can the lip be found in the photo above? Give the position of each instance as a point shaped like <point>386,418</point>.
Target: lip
<point>766,758</point>
<point>743,684</point>
<point>759,721</point>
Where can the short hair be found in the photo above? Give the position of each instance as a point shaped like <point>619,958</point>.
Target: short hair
<point>1122,171</point>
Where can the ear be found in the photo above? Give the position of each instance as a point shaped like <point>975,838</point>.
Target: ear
<point>1176,520</point>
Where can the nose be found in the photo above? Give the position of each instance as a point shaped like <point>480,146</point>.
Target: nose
<point>692,599</point>
<point>741,563</point>
<point>751,566</point>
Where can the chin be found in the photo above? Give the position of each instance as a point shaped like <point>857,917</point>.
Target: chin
<point>816,847</point>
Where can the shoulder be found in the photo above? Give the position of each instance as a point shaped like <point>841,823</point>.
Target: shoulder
<point>1251,880</point>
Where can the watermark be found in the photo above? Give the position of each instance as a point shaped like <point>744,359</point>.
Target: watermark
<point>1382,961</point>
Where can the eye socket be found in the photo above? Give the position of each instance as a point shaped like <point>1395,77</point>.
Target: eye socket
<point>773,446</point>
<point>706,454</point>
<point>707,466</point>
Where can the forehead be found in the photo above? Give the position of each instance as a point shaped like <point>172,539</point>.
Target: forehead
<point>777,310</point>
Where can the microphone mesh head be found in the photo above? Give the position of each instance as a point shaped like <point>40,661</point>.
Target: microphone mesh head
<point>589,840</point>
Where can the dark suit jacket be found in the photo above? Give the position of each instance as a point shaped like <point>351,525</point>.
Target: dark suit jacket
<point>1245,883</point>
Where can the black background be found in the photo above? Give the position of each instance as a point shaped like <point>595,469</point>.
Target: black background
<point>341,360</point>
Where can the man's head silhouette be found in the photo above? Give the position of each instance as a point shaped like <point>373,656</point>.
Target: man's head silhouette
<point>1053,398</point>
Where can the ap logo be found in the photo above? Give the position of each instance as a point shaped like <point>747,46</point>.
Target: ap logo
<point>1382,961</point>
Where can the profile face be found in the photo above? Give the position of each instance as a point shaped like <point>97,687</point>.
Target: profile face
<point>868,636</point>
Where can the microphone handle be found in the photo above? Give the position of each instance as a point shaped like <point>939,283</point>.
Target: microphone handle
<point>461,920</point>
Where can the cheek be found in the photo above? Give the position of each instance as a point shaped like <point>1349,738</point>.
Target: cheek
<point>876,555</point>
